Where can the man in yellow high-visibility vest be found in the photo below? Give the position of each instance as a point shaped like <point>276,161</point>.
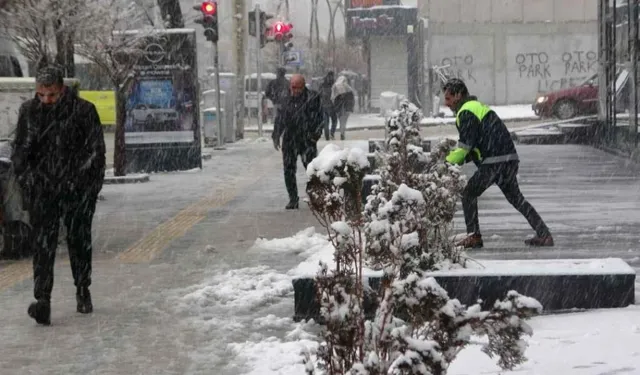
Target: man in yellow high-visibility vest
<point>485,140</point>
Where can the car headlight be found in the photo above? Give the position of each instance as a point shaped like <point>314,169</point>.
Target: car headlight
<point>541,99</point>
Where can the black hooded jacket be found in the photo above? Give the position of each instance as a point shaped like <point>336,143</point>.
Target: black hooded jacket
<point>60,146</point>
<point>300,118</point>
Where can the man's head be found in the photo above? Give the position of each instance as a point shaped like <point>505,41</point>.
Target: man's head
<point>454,92</point>
<point>49,85</point>
<point>297,85</point>
<point>281,72</point>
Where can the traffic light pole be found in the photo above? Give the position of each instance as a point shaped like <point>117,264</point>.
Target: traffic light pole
<point>216,66</point>
<point>259,71</point>
<point>281,53</point>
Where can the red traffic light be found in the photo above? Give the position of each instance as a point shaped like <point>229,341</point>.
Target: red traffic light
<point>280,29</point>
<point>209,8</point>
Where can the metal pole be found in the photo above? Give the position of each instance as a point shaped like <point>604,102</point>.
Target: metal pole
<point>281,52</point>
<point>216,66</point>
<point>259,69</point>
<point>429,72</point>
<point>239,29</point>
<point>602,66</point>
<point>633,108</point>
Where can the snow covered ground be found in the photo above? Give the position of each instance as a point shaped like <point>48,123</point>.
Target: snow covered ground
<point>372,121</point>
<point>585,343</point>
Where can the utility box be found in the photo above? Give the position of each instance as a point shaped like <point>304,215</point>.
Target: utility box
<point>228,103</point>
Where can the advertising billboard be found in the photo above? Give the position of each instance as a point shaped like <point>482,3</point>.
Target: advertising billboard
<point>162,129</point>
<point>160,102</point>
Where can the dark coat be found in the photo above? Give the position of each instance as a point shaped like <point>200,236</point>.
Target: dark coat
<point>345,102</point>
<point>489,136</point>
<point>278,90</point>
<point>60,148</point>
<point>300,119</point>
<point>325,92</point>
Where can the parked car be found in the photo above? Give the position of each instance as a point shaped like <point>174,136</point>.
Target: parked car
<point>580,100</point>
<point>14,219</point>
<point>148,113</point>
<point>570,102</point>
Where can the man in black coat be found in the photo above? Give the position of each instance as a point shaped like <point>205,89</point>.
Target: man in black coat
<point>299,123</point>
<point>59,160</point>
<point>278,90</point>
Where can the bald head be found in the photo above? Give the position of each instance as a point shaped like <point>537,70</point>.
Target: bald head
<point>297,84</point>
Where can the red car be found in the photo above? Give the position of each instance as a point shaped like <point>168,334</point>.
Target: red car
<point>571,102</point>
<point>581,100</point>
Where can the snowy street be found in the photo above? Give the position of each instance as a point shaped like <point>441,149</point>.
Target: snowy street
<point>181,285</point>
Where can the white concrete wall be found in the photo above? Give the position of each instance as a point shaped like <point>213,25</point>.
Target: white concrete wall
<point>508,51</point>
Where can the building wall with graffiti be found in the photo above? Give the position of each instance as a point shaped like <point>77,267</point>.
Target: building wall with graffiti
<point>509,54</point>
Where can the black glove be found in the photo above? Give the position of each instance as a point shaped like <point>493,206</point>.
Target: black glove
<point>276,144</point>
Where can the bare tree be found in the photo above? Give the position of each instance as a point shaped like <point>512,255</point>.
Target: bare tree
<point>331,38</point>
<point>313,24</point>
<point>171,13</point>
<point>44,30</point>
<point>115,52</point>
<point>284,3</point>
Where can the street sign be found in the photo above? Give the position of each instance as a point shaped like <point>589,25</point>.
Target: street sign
<point>293,58</point>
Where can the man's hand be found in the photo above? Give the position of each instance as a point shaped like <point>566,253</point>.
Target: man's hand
<point>456,156</point>
<point>276,144</point>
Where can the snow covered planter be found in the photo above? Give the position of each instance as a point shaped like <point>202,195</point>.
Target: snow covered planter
<point>403,230</point>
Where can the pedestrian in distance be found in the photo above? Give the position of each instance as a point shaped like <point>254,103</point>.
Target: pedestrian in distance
<point>343,98</point>
<point>330,114</point>
<point>278,90</point>
<point>299,125</point>
<point>59,161</point>
<point>485,140</point>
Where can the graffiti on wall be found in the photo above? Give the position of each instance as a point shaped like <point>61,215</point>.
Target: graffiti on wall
<point>460,67</point>
<point>552,72</point>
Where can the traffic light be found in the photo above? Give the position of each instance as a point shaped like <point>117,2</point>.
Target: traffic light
<point>209,20</point>
<point>282,31</point>
<point>259,30</point>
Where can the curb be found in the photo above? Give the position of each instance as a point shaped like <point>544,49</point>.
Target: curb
<point>129,179</point>
<point>205,156</point>
<point>381,127</point>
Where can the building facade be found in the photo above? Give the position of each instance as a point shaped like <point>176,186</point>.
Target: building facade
<point>508,51</point>
<point>390,33</point>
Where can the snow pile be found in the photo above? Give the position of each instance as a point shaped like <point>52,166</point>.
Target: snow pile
<point>277,356</point>
<point>306,241</point>
<point>506,112</point>
<point>585,343</point>
<point>219,298</point>
<point>332,158</point>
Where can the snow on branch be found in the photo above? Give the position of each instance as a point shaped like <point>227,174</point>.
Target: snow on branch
<point>402,230</point>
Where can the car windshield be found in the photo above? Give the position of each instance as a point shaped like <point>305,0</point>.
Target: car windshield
<point>591,81</point>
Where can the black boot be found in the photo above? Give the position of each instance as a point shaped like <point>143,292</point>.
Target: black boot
<point>293,204</point>
<point>83,298</point>
<point>41,312</point>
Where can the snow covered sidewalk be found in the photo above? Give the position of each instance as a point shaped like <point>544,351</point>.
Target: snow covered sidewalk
<point>358,121</point>
<point>585,343</point>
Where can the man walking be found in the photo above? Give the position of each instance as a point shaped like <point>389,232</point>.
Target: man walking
<point>59,160</point>
<point>277,90</point>
<point>330,114</point>
<point>299,123</point>
<point>486,141</point>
